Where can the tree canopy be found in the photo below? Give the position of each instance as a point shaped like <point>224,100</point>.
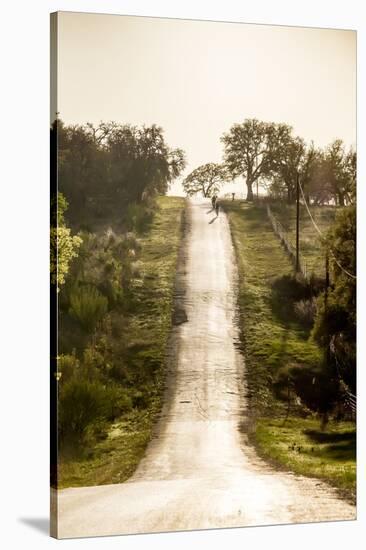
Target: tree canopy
<point>63,245</point>
<point>252,149</point>
<point>269,152</point>
<point>338,169</point>
<point>335,324</point>
<point>206,179</point>
<point>112,165</point>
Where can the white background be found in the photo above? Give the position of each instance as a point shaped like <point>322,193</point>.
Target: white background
<point>24,197</point>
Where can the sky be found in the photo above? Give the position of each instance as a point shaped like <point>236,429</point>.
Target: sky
<point>197,78</point>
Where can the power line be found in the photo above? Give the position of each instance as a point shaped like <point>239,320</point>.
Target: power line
<point>321,234</point>
<point>333,349</point>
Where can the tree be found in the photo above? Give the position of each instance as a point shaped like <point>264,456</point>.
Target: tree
<point>63,246</point>
<point>350,166</point>
<point>339,172</point>
<point>107,167</point>
<point>252,148</point>
<point>206,179</point>
<point>296,158</point>
<point>326,176</point>
<point>80,172</point>
<point>288,163</point>
<point>313,178</point>
<point>335,323</point>
<point>141,164</point>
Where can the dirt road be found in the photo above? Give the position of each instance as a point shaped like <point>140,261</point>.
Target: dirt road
<point>198,471</point>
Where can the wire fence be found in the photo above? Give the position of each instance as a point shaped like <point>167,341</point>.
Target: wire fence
<point>350,403</point>
<point>287,242</point>
<point>349,398</point>
<point>351,275</point>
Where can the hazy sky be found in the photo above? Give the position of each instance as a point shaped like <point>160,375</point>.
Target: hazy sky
<point>196,78</point>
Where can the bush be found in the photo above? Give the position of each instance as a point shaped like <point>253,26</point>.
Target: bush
<point>141,398</point>
<point>87,306</point>
<point>107,262</point>
<point>93,363</point>
<point>336,319</point>
<point>81,404</point>
<point>292,297</point>
<point>139,217</point>
<point>67,366</point>
<point>305,311</point>
<point>291,288</point>
<point>71,336</point>
<point>119,402</point>
<point>315,386</point>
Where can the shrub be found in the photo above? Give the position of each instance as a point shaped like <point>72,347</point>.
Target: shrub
<point>67,366</point>
<point>336,319</point>
<point>119,402</point>
<point>305,311</point>
<point>315,386</point>
<point>87,306</point>
<point>290,287</point>
<point>93,362</point>
<point>141,398</point>
<point>107,262</point>
<point>71,335</point>
<point>138,217</point>
<point>289,290</point>
<point>81,404</point>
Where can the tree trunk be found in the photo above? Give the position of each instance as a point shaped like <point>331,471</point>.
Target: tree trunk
<point>324,421</point>
<point>341,199</point>
<point>289,195</point>
<point>249,190</point>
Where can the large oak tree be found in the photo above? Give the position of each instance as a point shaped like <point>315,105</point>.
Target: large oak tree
<point>252,149</point>
<point>206,179</point>
<point>112,165</point>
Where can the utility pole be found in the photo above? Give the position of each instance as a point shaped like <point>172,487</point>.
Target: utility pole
<point>326,292</point>
<point>327,280</point>
<point>297,222</point>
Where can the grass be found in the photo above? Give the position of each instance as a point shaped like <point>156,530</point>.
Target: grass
<point>310,242</point>
<point>121,445</point>
<point>112,459</point>
<point>271,336</point>
<point>300,446</point>
<point>273,340</point>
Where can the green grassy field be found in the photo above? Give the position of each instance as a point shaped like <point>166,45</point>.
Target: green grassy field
<point>271,336</point>
<point>310,242</point>
<point>120,447</point>
<point>273,340</point>
<point>299,445</point>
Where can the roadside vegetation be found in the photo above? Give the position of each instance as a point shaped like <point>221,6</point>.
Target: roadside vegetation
<point>298,418</point>
<point>111,386</point>
<point>115,240</point>
<point>274,339</point>
<point>299,445</point>
<point>311,246</point>
<point>114,247</point>
<point>298,330</point>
